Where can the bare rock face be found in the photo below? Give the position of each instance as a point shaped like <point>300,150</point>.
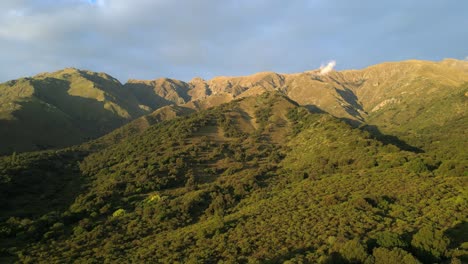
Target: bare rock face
<point>198,89</point>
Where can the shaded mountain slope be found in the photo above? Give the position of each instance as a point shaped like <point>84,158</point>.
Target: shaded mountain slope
<point>160,92</point>
<point>62,108</point>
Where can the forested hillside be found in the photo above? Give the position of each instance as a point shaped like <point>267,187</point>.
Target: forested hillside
<point>260,179</point>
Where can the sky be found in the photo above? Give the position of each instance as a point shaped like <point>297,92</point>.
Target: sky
<point>182,39</point>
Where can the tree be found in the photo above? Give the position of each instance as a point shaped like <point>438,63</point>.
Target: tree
<point>430,244</point>
<point>393,256</point>
<point>353,251</point>
<point>389,240</point>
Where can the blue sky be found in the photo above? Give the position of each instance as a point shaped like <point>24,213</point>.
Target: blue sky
<point>147,39</point>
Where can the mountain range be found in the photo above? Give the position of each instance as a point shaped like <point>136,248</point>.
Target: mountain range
<point>356,166</point>
<point>74,105</point>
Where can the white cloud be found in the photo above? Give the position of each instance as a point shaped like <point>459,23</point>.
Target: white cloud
<point>325,69</point>
<point>134,38</point>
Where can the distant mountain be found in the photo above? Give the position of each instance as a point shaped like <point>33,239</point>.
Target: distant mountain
<point>73,106</point>
<point>415,104</point>
<point>59,109</point>
<point>158,93</point>
<point>359,96</point>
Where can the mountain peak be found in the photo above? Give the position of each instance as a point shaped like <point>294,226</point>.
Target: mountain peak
<point>196,80</point>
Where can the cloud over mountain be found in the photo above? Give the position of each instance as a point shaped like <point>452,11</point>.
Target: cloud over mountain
<point>327,68</point>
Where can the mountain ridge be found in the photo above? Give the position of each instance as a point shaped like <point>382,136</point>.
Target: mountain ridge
<point>365,96</point>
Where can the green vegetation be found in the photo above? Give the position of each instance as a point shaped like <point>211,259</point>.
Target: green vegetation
<point>257,180</point>
<point>71,106</point>
<point>61,109</point>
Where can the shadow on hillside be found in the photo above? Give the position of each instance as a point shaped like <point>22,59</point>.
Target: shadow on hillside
<point>390,139</point>
<point>146,95</point>
<point>39,188</point>
<point>41,183</point>
<point>351,99</point>
<point>373,130</point>
<point>352,122</point>
<point>34,129</point>
<point>458,236</point>
<point>57,119</point>
<point>88,115</point>
<point>314,109</point>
